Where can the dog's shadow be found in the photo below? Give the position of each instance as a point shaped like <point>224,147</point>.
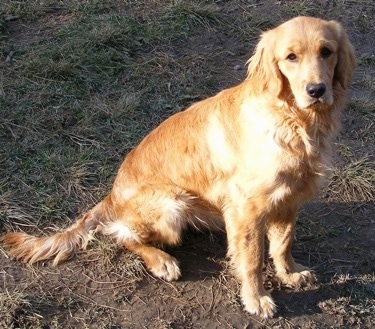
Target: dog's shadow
<point>202,256</point>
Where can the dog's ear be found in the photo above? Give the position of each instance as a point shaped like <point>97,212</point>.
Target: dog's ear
<point>263,72</point>
<point>346,58</point>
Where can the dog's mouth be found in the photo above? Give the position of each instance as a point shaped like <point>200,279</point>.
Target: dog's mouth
<point>305,101</point>
<point>315,104</point>
<point>319,105</point>
<point>320,102</point>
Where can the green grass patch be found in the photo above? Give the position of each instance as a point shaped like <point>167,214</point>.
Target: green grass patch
<point>76,96</point>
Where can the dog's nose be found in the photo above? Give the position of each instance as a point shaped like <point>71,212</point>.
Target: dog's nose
<point>316,90</point>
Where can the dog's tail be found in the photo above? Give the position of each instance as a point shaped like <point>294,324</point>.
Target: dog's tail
<point>62,245</point>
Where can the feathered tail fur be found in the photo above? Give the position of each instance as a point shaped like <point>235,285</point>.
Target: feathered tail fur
<point>61,246</point>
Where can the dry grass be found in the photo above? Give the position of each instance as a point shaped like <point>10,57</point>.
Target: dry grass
<point>355,182</point>
<point>356,298</point>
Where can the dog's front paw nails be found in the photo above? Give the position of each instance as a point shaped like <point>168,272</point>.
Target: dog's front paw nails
<point>261,305</point>
<point>166,268</point>
<point>297,279</point>
<point>308,277</point>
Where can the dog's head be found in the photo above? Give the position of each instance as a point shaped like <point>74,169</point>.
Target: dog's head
<point>303,61</point>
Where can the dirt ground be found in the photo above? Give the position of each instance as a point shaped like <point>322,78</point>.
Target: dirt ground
<point>105,287</point>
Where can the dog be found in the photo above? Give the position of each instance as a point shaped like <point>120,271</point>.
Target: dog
<point>244,160</point>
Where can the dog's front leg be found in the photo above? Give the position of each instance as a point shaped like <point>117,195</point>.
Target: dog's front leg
<point>280,231</point>
<point>246,229</point>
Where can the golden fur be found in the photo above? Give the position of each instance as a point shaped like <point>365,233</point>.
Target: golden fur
<point>244,160</point>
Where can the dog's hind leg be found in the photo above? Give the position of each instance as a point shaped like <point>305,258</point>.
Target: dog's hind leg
<point>150,218</point>
<point>158,262</point>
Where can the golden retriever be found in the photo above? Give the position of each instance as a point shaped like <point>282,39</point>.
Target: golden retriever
<point>245,160</point>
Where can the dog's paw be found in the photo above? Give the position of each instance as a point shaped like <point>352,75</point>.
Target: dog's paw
<point>297,279</point>
<point>165,268</point>
<point>262,306</point>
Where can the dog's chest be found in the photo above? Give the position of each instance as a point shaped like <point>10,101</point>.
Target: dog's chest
<point>295,180</point>
<point>291,168</point>
<point>301,164</point>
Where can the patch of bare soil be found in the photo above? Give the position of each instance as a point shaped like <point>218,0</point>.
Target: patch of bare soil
<point>335,240</point>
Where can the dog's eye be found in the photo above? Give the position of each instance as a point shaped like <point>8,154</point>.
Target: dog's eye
<point>291,57</point>
<point>325,52</point>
